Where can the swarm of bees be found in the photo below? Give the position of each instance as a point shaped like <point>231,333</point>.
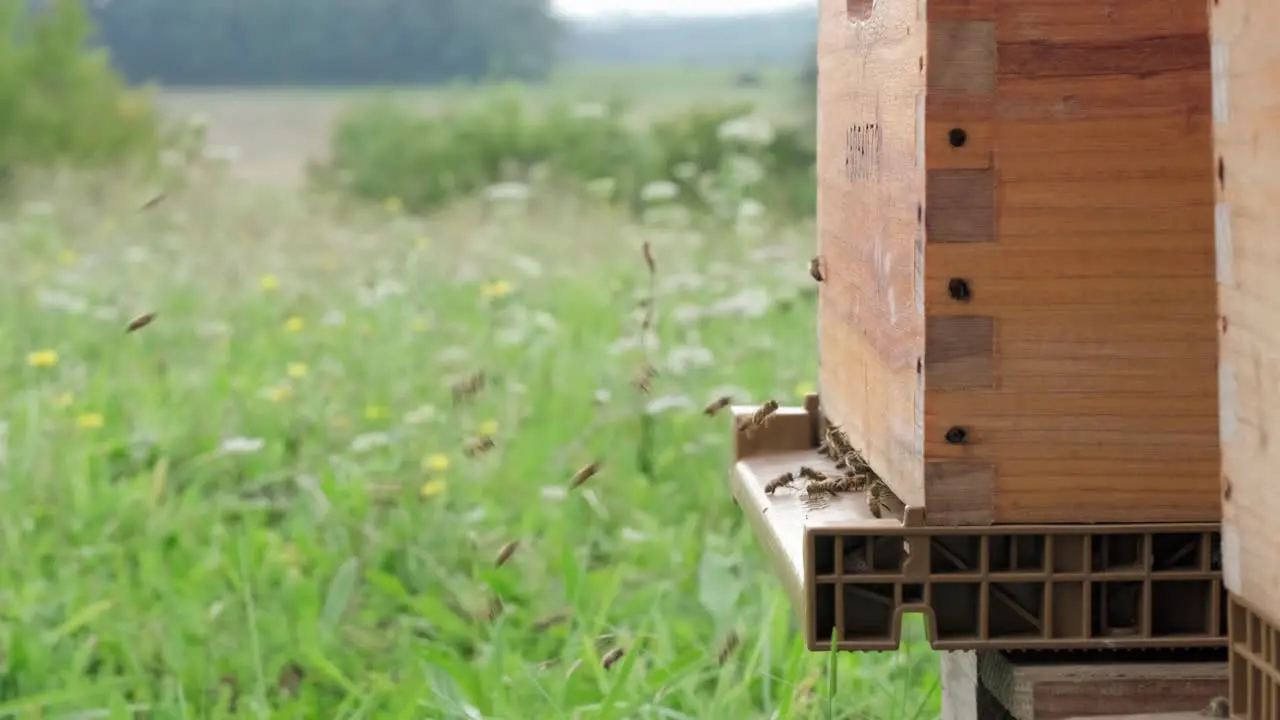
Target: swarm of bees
<point>855,474</point>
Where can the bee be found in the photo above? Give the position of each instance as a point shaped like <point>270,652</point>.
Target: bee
<point>644,380</point>
<point>612,658</point>
<point>760,417</point>
<point>478,446</point>
<point>506,552</point>
<point>829,486</point>
<point>494,608</point>
<point>647,249</point>
<point>835,444</point>
<point>468,387</point>
<point>815,269</point>
<point>810,474</point>
<point>875,498</point>
<point>727,647</point>
<point>717,405</point>
<point>547,622</point>
<point>587,472</point>
<point>783,480</point>
<point>153,201</point>
<point>140,322</point>
<point>1218,707</point>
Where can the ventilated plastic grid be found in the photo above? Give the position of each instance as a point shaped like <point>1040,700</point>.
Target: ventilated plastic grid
<point>1042,587</point>
<point>1255,664</point>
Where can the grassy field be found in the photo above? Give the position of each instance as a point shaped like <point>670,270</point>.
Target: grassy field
<point>261,504</point>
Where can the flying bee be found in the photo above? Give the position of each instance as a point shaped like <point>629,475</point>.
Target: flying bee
<point>153,201</point>
<point>478,446</point>
<point>644,379</point>
<point>648,258</point>
<point>140,322</point>
<point>717,405</point>
<point>759,418</point>
<point>783,480</point>
<point>468,387</point>
<point>586,473</point>
<point>815,269</point>
<point>809,473</point>
<point>612,658</point>
<point>506,552</point>
<point>726,649</point>
<point>547,622</point>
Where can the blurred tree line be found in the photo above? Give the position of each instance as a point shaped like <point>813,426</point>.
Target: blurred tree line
<point>326,42</point>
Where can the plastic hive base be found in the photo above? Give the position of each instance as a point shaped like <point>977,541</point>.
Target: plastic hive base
<point>1255,664</point>
<point>852,575</point>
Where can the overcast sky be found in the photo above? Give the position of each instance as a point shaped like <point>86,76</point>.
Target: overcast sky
<point>590,8</point>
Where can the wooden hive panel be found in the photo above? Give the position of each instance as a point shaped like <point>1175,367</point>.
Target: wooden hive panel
<point>870,188</point>
<point>1064,309</point>
<point>1247,132</point>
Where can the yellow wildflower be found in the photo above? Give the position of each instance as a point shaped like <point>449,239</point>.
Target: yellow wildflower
<point>437,462</point>
<point>488,427</point>
<point>68,257</point>
<point>294,324</point>
<point>431,488</point>
<point>375,412</point>
<point>278,393</point>
<point>421,325</point>
<point>496,289</point>
<point>64,400</point>
<point>804,388</point>
<point>297,370</point>
<point>42,358</point>
<point>269,283</point>
<point>89,421</point>
<point>394,205</point>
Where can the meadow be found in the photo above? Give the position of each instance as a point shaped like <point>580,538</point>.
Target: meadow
<point>288,494</point>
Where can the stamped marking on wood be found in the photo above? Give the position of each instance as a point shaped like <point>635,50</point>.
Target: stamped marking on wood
<point>863,150</point>
<point>959,493</point>
<point>959,352</point>
<point>960,206</point>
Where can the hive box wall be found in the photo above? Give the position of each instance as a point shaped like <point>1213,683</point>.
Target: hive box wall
<point>1053,296</point>
<point>1247,129</point>
<point>871,181</point>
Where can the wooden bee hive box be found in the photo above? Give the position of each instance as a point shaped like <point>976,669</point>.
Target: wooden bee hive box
<point>1246,65</point>
<point>1016,207</point>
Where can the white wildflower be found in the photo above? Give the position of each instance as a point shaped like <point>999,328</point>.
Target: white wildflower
<point>242,445</point>
<point>370,441</point>
<point>747,130</point>
<point>659,191</point>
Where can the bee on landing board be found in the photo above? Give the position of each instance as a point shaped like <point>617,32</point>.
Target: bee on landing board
<point>809,473</point>
<point>783,480</point>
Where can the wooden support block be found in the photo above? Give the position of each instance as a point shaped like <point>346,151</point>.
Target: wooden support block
<point>989,685</point>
